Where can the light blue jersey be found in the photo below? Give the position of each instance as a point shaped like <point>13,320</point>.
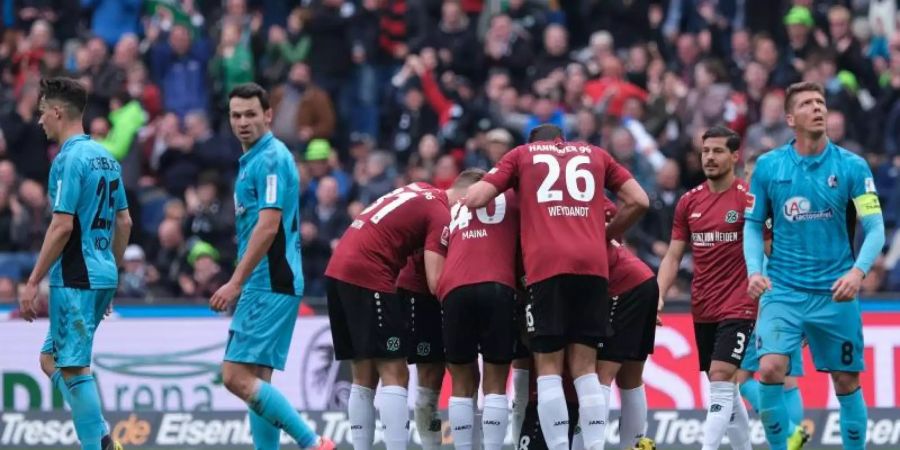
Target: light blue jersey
<point>268,178</point>
<point>85,182</point>
<point>814,202</point>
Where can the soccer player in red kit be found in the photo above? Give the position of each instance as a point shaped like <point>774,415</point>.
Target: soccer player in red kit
<point>711,218</point>
<point>426,349</point>
<point>633,295</point>
<point>478,294</point>
<point>367,317</point>
<point>563,230</point>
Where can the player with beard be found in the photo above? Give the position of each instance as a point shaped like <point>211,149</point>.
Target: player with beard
<point>710,218</point>
<point>368,323</point>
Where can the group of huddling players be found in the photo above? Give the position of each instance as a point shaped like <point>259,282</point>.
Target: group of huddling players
<point>522,265</point>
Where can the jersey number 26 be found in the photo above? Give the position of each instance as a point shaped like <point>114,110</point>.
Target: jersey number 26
<point>573,174</point>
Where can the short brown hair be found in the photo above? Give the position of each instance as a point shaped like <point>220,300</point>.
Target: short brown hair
<point>732,139</point>
<point>468,177</point>
<point>251,90</point>
<point>68,91</point>
<point>796,88</point>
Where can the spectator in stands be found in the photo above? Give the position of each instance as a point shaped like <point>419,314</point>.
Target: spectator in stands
<point>302,111</point>
<point>26,143</point>
<point>374,178</point>
<point>14,223</point>
<point>137,275</point>
<point>555,55</point>
<point>836,128</point>
<point>233,63</point>
<point>330,55</point>
<point>126,117</point>
<point>498,142</point>
<point>8,291</point>
<point>411,119</point>
<point>171,258</point>
<point>321,227</point>
<point>771,131</point>
<point>652,237</point>
<point>209,216</point>
<point>113,18</point>
<point>178,165</point>
<point>285,47</point>
<point>178,65</point>
<point>529,16</point>
<point>207,275</point>
<point>506,48</point>
<point>33,198</point>
<point>322,161</point>
<point>212,150</point>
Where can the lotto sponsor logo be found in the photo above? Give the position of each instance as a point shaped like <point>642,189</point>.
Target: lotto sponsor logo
<point>710,238</point>
<point>568,211</point>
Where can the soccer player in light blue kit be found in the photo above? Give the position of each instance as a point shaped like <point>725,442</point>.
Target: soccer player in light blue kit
<point>814,191</point>
<point>268,277</point>
<point>750,365</point>
<point>82,251</point>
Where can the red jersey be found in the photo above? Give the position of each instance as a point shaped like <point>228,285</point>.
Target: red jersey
<point>412,277</point>
<point>713,224</point>
<point>626,271</point>
<point>377,244</point>
<point>560,188</point>
<point>482,245</point>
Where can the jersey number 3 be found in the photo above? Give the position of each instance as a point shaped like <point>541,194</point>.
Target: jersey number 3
<point>573,174</point>
<point>106,203</point>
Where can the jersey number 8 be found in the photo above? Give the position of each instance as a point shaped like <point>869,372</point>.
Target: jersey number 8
<point>460,215</point>
<point>573,174</point>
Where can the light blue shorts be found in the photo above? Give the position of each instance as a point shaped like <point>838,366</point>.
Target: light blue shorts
<point>750,362</point>
<point>261,329</point>
<point>834,330</point>
<point>74,317</point>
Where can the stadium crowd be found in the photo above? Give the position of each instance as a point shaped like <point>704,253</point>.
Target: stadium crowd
<point>373,94</point>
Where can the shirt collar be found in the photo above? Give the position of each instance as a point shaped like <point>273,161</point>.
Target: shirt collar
<point>72,140</point>
<point>813,160</point>
<point>262,142</point>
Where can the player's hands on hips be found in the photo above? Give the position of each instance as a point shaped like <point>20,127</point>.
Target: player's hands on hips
<point>847,286</point>
<point>224,297</point>
<point>28,302</point>
<point>758,285</point>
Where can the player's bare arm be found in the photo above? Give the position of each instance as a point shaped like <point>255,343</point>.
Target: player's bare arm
<point>480,194</point>
<point>122,233</point>
<point>58,234</point>
<point>260,240</point>
<point>634,204</point>
<point>434,266</point>
<point>668,269</point>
